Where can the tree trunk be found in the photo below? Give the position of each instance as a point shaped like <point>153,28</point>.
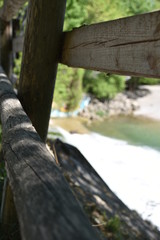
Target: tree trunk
<point>40,57</point>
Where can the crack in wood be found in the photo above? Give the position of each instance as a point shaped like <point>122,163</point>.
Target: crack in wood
<point>94,43</point>
<point>136,42</point>
<point>99,43</point>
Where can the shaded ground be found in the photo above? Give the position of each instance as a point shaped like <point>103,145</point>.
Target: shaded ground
<point>106,211</point>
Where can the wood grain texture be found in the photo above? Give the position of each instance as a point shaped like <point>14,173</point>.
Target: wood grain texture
<point>128,46</point>
<point>45,205</point>
<point>6,57</point>
<point>40,58</point>
<point>8,218</point>
<point>17,45</point>
<point>10,9</point>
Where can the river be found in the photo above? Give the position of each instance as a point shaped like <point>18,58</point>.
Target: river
<point>134,130</point>
<point>125,151</point>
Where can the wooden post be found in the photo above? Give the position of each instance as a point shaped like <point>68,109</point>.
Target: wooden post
<point>6,46</point>
<point>8,215</point>
<point>10,8</point>
<point>41,51</point>
<point>8,212</point>
<point>7,12</point>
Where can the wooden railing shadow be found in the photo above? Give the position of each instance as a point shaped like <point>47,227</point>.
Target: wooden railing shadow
<point>97,199</point>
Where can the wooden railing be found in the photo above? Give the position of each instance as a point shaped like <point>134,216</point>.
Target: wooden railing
<point>127,46</point>
<point>45,205</point>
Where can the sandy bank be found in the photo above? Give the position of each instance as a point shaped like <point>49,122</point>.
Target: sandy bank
<point>150,104</point>
<point>73,124</point>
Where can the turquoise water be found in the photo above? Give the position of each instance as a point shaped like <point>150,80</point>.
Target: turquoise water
<point>134,130</point>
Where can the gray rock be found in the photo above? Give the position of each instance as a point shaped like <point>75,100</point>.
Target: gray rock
<point>123,103</point>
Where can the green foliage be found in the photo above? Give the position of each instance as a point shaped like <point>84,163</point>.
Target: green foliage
<point>102,85</point>
<point>68,88</point>
<point>137,7</point>
<point>22,14</point>
<point>157,5</point>
<point>103,10</point>
<point>148,81</point>
<point>100,113</point>
<point>1,3</point>
<point>114,226</point>
<point>134,82</point>
<point>75,14</point>
<point>17,64</point>
<point>53,134</point>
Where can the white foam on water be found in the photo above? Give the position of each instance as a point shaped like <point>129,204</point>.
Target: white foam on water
<point>132,172</point>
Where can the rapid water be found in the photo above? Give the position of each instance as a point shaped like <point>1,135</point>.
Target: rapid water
<point>131,171</point>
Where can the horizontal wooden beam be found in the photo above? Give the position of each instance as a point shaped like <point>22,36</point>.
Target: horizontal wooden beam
<point>10,9</point>
<point>127,46</point>
<point>45,205</point>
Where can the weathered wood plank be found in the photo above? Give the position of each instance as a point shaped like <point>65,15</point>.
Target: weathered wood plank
<point>17,45</point>
<point>40,58</point>
<point>8,216</point>
<point>10,9</point>
<point>45,205</point>
<point>128,46</point>
<point>6,46</point>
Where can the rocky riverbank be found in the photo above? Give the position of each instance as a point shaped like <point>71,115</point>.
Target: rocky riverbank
<point>123,104</point>
<point>142,102</point>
